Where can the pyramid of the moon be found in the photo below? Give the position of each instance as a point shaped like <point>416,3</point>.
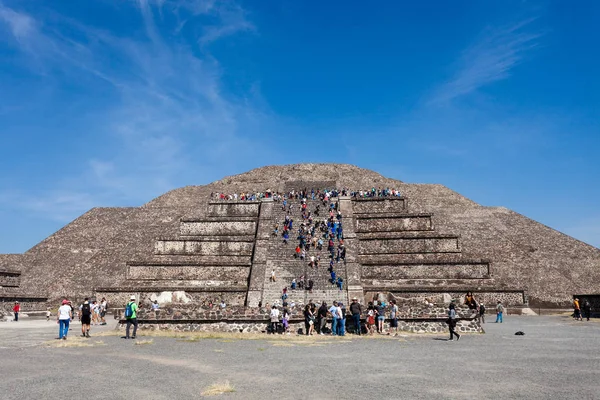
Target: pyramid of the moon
<point>426,242</point>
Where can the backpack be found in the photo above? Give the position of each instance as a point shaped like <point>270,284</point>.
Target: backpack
<point>129,310</point>
<point>85,310</point>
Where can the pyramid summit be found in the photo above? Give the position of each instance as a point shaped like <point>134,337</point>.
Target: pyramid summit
<point>199,244</point>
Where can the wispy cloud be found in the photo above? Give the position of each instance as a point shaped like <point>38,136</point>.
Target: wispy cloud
<point>490,59</point>
<point>170,115</point>
<point>21,25</point>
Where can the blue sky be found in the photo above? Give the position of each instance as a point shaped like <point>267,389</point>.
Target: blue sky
<point>111,103</point>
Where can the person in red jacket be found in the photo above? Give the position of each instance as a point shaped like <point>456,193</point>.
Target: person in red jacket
<point>16,310</point>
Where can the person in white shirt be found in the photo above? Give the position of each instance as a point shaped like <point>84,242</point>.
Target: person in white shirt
<point>335,317</point>
<point>63,318</point>
<point>274,319</point>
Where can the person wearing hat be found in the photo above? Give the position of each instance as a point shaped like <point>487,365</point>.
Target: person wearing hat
<point>63,318</point>
<point>16,310</point>
<point>355,310</point>
<point>131,317</point>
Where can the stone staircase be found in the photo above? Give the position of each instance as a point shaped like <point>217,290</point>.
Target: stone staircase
<point>280,257</point>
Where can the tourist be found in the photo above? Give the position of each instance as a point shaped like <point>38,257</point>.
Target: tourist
<point>587,309</point>
<point>103,310</point>
<point>371,318</point>
<point>309,320</point>
<point>340,282</point>
<point>131,310</point>
<point>342,324</point>
<point>273,275</point>
<point>333,310</point>
<point>470,301</point>
<point>394,317</point>
<point>452,322</point>
<point>380,312</point>
<point>310,285</point>
<point>293,284</point>
<point>355,310</point>
<point>322,317</point>
<point>499,312</point>
<point>481,314</point>
<point>274,319</point>
<point>16,311</point>
<point>285,318</point>
<point>63,318</point>
<point>155,308</point>
<point>85,314</point>
<point>577,313</point>
<point>48,314</point>
<point>95,313</point>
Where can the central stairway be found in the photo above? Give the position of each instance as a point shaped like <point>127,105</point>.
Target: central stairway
<point>280,258</point>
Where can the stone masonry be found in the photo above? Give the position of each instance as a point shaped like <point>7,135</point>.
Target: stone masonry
<point>431,244</point>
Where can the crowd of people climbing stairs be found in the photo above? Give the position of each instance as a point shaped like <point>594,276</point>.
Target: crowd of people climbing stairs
<point>318,226</point>
<point>305,193</point>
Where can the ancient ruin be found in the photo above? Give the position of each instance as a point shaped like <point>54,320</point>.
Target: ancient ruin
<point>188,250</point>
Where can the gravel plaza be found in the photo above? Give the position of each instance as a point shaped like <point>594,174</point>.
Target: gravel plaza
<point>556,358</point>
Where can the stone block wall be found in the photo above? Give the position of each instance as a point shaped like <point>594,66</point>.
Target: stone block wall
<point>186,246</point>
<point>239,275</point>
<point>398,224</point>
<point>426,271</point>
<point>488,297</point>
<point>410,245</point>
<point>217,228</point>
<point>233,209</point>
<point>10,280</point>
<point>379,205</point>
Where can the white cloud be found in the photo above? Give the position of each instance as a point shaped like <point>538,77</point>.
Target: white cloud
<point>172,115</point>
<point>21,25</point>
<point>489,59</point>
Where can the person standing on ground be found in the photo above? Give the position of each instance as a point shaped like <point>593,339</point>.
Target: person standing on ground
<point>103,309</point>
<point>380,311</point>
<point>452,322</point>
<point>85,313</point>
<point>342,324</point>
<point>63,318</point>
<point>394,318</point>
<point>322,314</point>
<point>309,320</point>
<point>577,310</point>
<point>355,310</point>
<point>131,310</point>
<point>17,310</point>
<point>334,318</point>
<point>274,319</point>
<point>481,314</point>
<point>587,309</point>
<point>499,312</point>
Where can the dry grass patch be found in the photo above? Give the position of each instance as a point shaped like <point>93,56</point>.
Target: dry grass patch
<point>218,388</point>
<point>144,342</point>
<point>218,350</point>
<point>75,342</point>
<point>283,344</point>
